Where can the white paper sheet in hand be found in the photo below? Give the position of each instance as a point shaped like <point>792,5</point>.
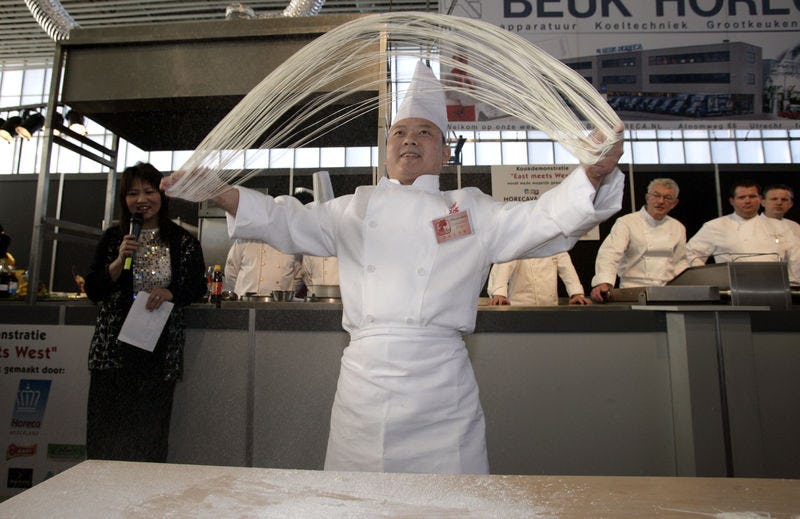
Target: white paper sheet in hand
<point>142,327</point>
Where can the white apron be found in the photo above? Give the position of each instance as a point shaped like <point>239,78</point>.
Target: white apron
<point>381,423</point>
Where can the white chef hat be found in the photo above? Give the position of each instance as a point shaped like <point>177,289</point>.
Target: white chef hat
<point>424,99</point>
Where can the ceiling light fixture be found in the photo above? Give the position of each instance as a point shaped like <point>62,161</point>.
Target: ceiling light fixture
<point>76,122</point>
<point>31,124</point>
<point>8,130</point>
<point>58,122</point>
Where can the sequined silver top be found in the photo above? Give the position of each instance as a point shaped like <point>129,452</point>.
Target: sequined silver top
<point>151,264</point>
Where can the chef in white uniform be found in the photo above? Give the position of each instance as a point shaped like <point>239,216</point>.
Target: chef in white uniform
<point>645,248</point>
<point>256,268</point>
<point>412,263</point>
<point>534,282</point>
<point>777,200</point>
<point>320,271</point>
<point>744,235</point>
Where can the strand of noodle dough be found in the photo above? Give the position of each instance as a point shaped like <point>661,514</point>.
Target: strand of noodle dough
<point>310,94</point>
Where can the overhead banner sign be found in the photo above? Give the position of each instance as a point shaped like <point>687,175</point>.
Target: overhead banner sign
<point>664,64</point>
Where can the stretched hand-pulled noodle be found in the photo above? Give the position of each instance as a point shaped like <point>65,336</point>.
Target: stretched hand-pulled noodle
<point>311,93</point>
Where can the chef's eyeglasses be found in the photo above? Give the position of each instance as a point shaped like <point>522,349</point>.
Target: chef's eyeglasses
<point>667,198</point>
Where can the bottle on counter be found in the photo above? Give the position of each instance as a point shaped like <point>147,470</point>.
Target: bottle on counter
<point>6,277</point>
<point>215,290</point>
<point>13,284</point>
<point>9,284</point>
<point>209,279</point>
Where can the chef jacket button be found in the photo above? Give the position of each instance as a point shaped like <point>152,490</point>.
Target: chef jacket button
<point>373,223</point>
<point>370,318</point>
<point>409,320</point>
<point>421,271</point>
<point>370,268</point>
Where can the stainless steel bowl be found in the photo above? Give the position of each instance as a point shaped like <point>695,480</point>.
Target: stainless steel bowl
<point>324,291</point>
<point>256,298</point>
<point>282,295</point>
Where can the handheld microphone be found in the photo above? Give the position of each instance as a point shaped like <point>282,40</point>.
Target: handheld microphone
<point>136,228</point>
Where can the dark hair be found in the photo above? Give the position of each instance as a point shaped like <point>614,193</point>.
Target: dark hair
<point>780,186</point>
<point>5,241</point>
<point>304,197</point>
<point>146,173</point>
<point>743,183</point>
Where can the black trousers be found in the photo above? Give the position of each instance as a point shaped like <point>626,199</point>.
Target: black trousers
<point>128,414</point>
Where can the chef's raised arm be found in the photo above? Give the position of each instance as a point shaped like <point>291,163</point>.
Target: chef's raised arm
<point>228,201</point>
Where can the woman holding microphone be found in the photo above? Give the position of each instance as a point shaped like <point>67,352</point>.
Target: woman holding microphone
<point>131,389</point>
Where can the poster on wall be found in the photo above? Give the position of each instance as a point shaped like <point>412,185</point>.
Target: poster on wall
<point>529,182</point>
<point>662,64</point>
<point>44,384</point>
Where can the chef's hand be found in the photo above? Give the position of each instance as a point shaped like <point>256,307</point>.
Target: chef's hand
<point>224,195</point>
<point>579,299</point>
<point>156,297</point>
<point>599,293</point>
<point>170,180</point>
<point>499,300</point>
<point>608,162</point>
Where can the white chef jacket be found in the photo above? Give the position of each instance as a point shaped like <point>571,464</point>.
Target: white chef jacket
<point>793,226</point>
<point>406,400</point>
<point>320,271</point>
<point>733,238</point>
<point>643,251</point>
<point>254,266</point>
<point>534,281</point>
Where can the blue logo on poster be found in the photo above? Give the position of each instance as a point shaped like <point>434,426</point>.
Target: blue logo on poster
<point>30,404</point>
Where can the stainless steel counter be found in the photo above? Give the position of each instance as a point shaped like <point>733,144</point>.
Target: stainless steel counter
<point>601,390</point>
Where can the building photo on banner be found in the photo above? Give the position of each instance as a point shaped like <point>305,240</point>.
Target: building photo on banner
<point>44,383</point>
<point>721,65</point>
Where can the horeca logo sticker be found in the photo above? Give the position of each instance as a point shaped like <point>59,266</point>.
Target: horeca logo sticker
<point>30,404</point>
<point>19,451</point>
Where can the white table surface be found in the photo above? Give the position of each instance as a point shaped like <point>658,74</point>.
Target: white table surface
<point>109,489</point>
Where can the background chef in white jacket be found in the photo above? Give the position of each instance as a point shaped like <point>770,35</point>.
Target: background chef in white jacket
<point>412,263</point>
<point>777,200</point>
<point>255,267</point>
<point>316,270</point>
<point>645,248</point>
<point>745,235</point>
<point>320,271</point>
<point>534,282</point>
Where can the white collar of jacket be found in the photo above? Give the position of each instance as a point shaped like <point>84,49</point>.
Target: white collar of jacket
<point>648,218</point>
<point>736,218</point>
<point>429,183</point>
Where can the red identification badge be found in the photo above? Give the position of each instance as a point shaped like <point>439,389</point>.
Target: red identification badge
<point>452,226</point>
